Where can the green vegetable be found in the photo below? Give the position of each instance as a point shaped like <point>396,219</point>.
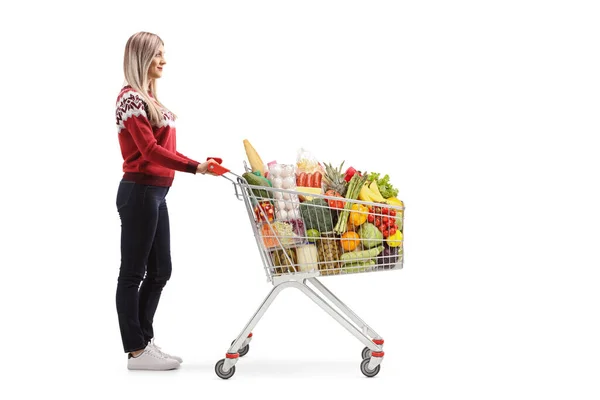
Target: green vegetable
<point>312,235</point>
<point>360,266</point>
<point>316,215</point>
<point>267,181</point>
<point>354,186</point>
<point>385,187</point>
<point>258,181</point>
<point>371,236</point>
<point>399,221</point>
<point>365,263</point>
<point>363,255</point>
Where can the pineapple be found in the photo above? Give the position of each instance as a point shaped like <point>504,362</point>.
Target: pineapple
<point>334,179</point>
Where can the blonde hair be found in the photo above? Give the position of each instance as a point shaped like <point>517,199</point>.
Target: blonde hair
<point>139,52</point>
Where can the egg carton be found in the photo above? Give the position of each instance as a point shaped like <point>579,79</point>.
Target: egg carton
<point>287,205</point>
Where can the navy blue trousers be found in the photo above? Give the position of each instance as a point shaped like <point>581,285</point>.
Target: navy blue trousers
<point>145,260</point>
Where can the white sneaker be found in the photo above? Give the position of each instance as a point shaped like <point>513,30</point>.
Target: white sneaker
<point>159,350</point>
<point>151,360</point>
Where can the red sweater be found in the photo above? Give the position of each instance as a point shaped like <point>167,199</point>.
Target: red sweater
<point>149,154</point>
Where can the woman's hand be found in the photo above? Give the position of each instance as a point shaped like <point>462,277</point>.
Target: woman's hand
<point>203,167</point>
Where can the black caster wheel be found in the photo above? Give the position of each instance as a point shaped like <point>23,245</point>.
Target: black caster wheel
<point>244,350</point>
<point>366,353</point>
<point>364,368</point>
<point>219,370</point>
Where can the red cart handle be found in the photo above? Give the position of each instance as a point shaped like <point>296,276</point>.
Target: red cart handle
<point>217,169</point>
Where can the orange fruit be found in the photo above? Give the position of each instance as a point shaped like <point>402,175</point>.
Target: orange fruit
<point>350,241</point>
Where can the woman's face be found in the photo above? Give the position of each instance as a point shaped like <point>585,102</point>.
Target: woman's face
<point>156,68</point>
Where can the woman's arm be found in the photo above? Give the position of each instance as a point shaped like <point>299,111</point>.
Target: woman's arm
<point>140,129</point>
<point>182,156</point>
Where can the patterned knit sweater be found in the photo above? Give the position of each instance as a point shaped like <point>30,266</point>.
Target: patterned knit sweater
<point>149,152</point>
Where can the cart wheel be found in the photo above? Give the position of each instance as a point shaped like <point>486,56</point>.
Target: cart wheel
<point>364,368</point>
<point>366,353</point>
<point>219,370</point>
<point>244,350</point>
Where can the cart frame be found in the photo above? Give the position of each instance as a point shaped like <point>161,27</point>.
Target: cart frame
<point>372,354</point>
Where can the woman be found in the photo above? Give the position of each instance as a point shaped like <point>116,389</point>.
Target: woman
<point>146,130</point>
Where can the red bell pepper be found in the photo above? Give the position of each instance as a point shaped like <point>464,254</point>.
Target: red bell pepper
<point>350,173</point>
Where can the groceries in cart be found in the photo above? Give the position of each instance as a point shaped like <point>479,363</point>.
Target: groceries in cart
<point>312,216</point>
<point>312,219</point>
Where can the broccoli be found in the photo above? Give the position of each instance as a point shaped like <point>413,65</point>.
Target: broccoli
<point>316,215</point>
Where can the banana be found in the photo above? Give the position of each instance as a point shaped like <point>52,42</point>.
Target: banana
<point>365,194</point>
<point>376,195</point>
<point>394,201</point>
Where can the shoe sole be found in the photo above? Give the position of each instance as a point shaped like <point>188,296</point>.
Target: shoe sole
<point>155,368</point>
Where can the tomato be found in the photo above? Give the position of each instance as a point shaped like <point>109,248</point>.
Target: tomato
<point>393,213</point>
<point>391,222</point>
<point>393,230</point>
<point>385,220</point>
<point>339,204</point>
<point>371,218</point>
<point>386,233</point>
<point>385,210</point>
<point>377,222</point>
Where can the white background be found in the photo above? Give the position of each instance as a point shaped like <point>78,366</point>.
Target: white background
<point>483,113</point>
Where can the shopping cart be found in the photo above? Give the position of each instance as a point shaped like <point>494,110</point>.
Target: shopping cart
<point>302,236</point>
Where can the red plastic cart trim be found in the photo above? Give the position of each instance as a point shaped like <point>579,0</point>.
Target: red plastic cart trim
<point>217,159</point>
<point>250,335</point>
<point>377,353</point>
<point>378,342</point>
<point>217,169</point>
<point>232,355</point>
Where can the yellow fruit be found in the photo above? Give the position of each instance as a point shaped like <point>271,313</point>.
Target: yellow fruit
<point>376,195</point>
<point>306,192</point>
<point>395,240</point>
<point>365,194</point>
<point>394,201</point>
